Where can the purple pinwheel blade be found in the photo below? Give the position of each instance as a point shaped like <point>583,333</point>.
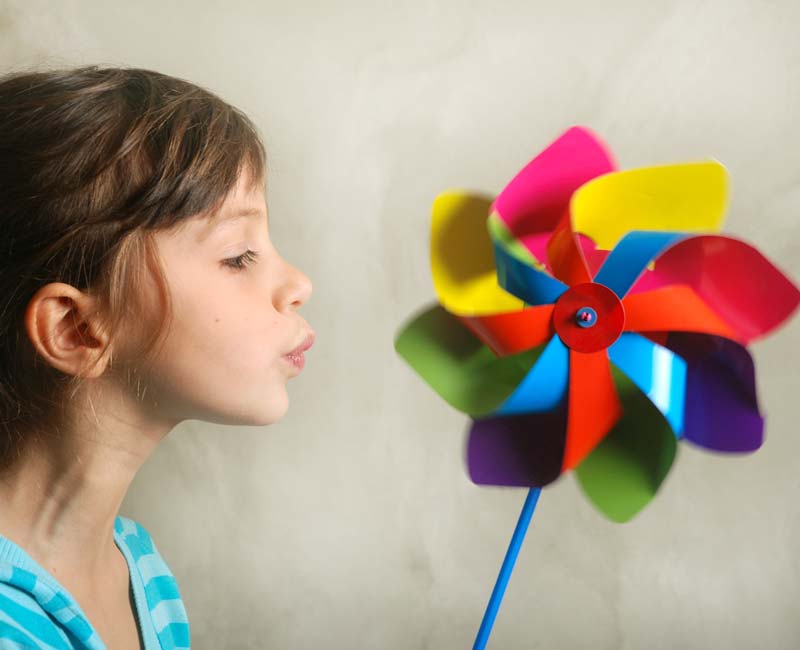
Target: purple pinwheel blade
<point>517,450</point>
<point>721,409</point>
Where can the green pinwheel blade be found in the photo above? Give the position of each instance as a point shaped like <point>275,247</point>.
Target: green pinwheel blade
<point>457,365</point>
<point>624,472</point>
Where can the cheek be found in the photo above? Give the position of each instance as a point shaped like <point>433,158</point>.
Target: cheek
<point>229,372</point>
<point>237,334</point>
<point>221,360</point>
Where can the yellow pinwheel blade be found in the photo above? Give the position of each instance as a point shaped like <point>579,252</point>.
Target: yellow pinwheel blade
<point>688,197</point>
<point>462,257</point>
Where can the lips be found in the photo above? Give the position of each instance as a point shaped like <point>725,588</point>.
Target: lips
<point>305,345</point>
<point>295,357</point>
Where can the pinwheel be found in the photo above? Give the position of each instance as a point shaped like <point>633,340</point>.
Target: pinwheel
<point>588,319</point>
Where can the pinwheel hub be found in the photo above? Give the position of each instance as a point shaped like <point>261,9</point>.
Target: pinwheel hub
<point>588,317</point>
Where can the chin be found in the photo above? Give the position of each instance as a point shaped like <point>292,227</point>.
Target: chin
<point>274,410</point>
<point>273,418</point>
<point>259,411</point>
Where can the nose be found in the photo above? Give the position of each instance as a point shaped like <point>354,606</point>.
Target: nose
<point>296,288</point>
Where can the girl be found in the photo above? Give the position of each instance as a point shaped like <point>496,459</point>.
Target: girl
<point>138,288</point>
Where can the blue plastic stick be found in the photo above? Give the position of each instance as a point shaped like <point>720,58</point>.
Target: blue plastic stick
<point>508,566</point>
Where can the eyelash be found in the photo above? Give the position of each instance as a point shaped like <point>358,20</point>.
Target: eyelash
<point>243,260</point>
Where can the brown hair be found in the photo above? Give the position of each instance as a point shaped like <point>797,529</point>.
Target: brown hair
<point>93,161</point>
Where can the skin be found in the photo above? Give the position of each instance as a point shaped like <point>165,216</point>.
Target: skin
<point>222,362</point>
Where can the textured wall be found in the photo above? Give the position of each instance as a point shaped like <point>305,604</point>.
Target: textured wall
<point>352,523</point>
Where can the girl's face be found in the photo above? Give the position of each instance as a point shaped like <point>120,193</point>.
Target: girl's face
<point>225,356</point>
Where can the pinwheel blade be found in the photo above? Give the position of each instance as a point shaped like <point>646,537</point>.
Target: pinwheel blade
<point>461,369</point>
<point>723,413</point>
<point>689,197</point>
<point>462,257</point>
<point>518,271</point>
<point>515,331</point>
<point>594,407</point>
<point>517,450</point>
<point>630,258</point>
<point>673,308</point>
<point>734,279</point>
<point>536,198</point>
<point>545,386</point>
<point>536,247</point>
<point>658,372</point>
<point>565,254</point>
<point>530,284</point>
<point>534,250</point>
<point>624,472</point>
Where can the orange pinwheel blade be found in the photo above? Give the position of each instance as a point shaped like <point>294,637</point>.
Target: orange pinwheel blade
<point>594,406</point>
<point>513,332</point>
<point>565,254</point>
<point>673,308</point>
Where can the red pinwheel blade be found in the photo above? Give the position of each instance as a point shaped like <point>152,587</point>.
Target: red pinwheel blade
<point>594,405</point>
<point>733,278</point>
<point>565,254</point>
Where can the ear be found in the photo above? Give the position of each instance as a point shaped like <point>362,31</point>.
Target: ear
<point>64,330</point>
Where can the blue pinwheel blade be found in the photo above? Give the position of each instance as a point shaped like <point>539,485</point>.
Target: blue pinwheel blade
<point>525,282</point>
<point>545,386</point>
<point>630,258</point>
<point>658,372</point>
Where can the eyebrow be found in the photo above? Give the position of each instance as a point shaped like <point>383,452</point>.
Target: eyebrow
<point>249,212</point>
<point>239,214</point>
<point>230,218</point>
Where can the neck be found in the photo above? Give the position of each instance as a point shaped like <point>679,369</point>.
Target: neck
<point>60,498</point>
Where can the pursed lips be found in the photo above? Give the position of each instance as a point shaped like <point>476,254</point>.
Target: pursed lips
<point>305,345</point>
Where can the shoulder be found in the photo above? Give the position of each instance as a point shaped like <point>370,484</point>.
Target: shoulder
<point>138,540</point>
<point>156,574</point>
<point>128,528</point>
<point>161,589</point>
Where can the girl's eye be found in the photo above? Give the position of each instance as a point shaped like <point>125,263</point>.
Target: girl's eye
<point>241,261</point>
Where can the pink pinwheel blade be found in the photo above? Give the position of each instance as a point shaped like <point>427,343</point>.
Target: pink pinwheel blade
<point>536,198</point>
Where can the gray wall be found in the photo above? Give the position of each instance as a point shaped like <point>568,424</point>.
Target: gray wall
<point>352,523</point>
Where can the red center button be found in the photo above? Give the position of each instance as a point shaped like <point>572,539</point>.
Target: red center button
<point>605,330</point>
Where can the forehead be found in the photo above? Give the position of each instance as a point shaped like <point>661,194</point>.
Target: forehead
<point>242,203</point>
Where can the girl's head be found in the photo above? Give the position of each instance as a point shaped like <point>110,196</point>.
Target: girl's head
<point>135,258</point>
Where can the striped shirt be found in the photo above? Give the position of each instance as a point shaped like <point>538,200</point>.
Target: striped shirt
<point>36,612</point>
